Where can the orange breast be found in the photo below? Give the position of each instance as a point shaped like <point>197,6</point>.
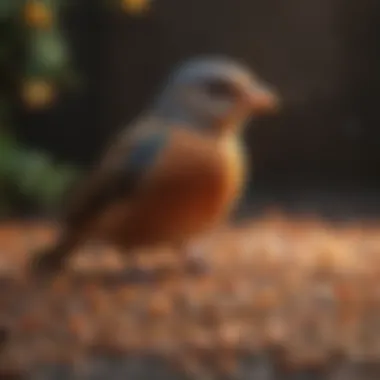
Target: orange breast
<point>193,186</point>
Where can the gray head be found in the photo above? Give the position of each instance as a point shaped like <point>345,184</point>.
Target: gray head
<point>216,93</point>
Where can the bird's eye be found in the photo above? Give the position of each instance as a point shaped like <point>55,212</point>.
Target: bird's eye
<point>218,88</point>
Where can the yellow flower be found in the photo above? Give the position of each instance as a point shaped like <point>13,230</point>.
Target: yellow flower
<point>135,7</point>
<point>37,14</point>
<point>37,93</point>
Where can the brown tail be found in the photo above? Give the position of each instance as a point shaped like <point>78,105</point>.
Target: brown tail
<point>51,260</point>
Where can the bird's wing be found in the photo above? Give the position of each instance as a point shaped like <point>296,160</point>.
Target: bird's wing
<point>119,174</point>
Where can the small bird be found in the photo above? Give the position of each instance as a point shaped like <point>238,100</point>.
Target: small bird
<point>176,172</point>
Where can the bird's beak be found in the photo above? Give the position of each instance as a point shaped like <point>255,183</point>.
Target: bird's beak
<point>263,100</point>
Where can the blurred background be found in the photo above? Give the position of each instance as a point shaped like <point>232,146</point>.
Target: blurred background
<point>73,72</point>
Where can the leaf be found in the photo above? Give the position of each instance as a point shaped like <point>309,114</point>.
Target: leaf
<point>48,55</point>
<point>30,175</point>
<point>8,8</point>
<point>54,184</point>
<point>8,149</point>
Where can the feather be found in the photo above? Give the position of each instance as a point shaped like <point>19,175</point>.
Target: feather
<point>119,181</point>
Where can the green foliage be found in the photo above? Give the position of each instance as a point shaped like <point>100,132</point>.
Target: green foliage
<point>47,55</point>
<point>8,8</point>
<point>32,174</point>
<point>34,63</point>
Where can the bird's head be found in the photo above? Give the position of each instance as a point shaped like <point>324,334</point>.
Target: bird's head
<point>215,93</point>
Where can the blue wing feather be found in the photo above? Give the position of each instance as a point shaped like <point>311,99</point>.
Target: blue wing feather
<point>118,181</point>
<point>144,154</point>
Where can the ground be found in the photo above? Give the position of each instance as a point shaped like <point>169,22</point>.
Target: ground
<point>284,297</point>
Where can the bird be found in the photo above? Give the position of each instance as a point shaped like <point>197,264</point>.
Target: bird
<point>175,172</point>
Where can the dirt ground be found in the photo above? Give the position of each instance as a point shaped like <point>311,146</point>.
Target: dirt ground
<point>283,299</point>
